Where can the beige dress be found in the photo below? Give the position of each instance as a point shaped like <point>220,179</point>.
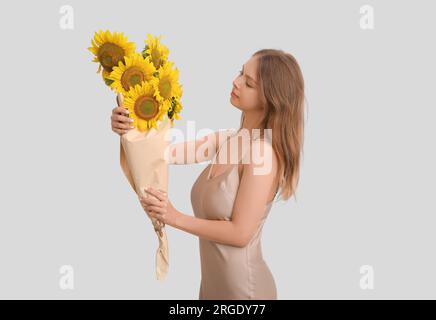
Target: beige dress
<point>229,272</point>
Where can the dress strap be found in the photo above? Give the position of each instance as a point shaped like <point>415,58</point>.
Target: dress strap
<point>216,154</point>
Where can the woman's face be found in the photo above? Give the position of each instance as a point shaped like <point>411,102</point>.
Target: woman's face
<point>246,87</point>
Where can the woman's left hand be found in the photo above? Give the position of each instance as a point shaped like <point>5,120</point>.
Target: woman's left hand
<point>158,206</point>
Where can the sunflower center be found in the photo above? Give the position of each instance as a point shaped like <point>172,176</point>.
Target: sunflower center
<point>165,89</point>
<point>109,54</point>
<point>131,77</point>
<point>146,107</point>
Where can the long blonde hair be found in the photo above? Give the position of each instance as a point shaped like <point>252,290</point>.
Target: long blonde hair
<point>281,86</point>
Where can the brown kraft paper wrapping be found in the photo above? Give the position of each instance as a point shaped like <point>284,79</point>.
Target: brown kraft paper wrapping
<point>142,159</point>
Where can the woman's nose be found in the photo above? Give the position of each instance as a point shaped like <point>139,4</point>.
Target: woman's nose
<point>235,84</point>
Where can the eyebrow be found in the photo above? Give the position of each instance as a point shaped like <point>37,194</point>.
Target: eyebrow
<point>248,75</point>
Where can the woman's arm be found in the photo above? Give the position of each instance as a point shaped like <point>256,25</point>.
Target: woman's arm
<point>254,193</point>
<point>221,231</point>
<point>186,152</point>
<point>195,151</point>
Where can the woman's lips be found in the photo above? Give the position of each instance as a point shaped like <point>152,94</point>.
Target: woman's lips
<point>234,95</point>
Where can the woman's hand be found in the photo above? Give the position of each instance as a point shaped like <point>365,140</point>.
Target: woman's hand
<point>120,121</point>
<point>159,207</point>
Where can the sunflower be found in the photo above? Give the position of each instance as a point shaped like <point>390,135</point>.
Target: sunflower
<point>110,48</point>
<point>144,108</point>
<point>134,71</point>
<point>168,85</point>
<point>157,52</point>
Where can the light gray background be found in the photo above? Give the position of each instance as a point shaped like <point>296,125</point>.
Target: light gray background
<point>367,184</point>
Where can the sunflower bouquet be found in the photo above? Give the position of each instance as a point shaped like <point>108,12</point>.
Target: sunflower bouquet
<point>146,84</point>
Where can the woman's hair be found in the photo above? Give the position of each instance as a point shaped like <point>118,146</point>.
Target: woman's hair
<point>281,89</point>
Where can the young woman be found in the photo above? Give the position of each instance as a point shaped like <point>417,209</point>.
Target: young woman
<point>231,199</point>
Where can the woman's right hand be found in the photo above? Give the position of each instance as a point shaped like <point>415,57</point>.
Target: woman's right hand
<point>120,121</point>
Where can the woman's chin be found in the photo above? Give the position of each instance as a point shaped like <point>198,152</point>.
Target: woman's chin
<point>234,104</point>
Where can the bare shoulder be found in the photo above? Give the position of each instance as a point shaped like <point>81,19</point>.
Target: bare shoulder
<point>263,154</point>
<point>261,170</point>
<point>260,159</point>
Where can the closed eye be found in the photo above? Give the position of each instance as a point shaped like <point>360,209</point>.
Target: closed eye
<point>246,83</point>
